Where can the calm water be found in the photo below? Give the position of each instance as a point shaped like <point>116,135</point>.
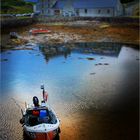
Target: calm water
<point>96,85</point>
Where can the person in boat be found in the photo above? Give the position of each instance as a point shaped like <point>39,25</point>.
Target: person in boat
<point>41,115</point>
<point>35,101</point>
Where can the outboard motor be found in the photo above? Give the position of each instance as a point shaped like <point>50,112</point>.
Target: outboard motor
<point>35,101</point>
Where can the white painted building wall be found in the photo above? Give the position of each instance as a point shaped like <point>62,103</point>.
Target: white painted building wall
<point>119,9</point>
<point>98,12</point>
<point>101,12</point>
<point>89,12</point>
<point>34,8</point>
<point>68,6</point>
<point>43,7</point>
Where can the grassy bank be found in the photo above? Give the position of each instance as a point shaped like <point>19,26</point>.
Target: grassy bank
<point>15,6</point>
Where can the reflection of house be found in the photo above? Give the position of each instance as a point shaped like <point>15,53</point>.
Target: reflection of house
<point>94,8</point>
<point>102,48</point>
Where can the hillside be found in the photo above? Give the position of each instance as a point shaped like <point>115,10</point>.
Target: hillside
<point>15,6</point>
<point>128,1</point>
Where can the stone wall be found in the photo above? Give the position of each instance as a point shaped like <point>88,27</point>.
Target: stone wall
<point>15,22</point>
<point>43,19</point>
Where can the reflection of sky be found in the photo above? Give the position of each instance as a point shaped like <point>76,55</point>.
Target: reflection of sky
<point>68,81</point>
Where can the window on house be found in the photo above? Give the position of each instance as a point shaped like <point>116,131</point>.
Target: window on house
<point>108,11</point>
<point>57,12</point>
<point>85,11</point>
<point>99,11</point>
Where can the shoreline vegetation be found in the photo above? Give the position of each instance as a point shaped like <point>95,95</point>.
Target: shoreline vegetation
<point>87,30</point>
<point>15,7</point>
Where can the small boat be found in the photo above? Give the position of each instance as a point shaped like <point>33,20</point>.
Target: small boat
<point>40,122</point>
<point>39,31</point>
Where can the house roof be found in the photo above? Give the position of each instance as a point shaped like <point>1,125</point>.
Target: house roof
<point>59,4</point>
<point>94,3</point>
<point>87,3</point>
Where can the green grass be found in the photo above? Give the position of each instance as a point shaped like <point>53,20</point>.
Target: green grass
<point>15,6</point>
<point>24,17</point>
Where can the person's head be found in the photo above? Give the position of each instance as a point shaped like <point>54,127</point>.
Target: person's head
<point>35,101</point>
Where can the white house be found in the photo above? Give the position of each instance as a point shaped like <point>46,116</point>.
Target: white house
<point>85,8</point>
<point>98,8</point>
<point>44,6</point>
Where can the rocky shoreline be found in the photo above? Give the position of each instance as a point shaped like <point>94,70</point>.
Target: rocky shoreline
<point>73,32</point>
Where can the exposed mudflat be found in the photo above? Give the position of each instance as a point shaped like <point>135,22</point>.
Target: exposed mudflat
<point>71,32</point>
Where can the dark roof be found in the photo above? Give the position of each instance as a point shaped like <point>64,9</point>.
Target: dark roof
<point>87,3</point>
<point>59,4</point>
<point>94,3</point>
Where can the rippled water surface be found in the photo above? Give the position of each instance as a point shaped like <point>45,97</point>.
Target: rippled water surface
<point>93,88</point>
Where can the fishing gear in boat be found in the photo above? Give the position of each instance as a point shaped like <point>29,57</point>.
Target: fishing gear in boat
<point>45,94</point>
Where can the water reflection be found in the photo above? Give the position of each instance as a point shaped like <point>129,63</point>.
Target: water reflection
<point>51,51</point>
<point>107,49</point>
<point>79,88</point>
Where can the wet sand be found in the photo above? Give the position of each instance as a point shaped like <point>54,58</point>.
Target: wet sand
<point>92,125</point>
<point>117,119</point>
<point>89,124</point>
